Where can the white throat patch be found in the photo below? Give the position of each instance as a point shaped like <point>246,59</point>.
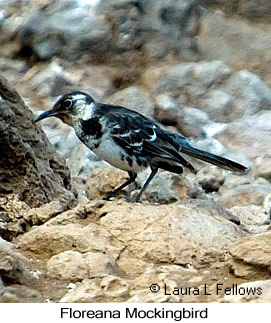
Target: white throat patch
<point>88,111</point>
<point>85,111</point>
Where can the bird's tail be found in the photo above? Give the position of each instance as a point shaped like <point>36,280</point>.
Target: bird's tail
<point>188,149</point>
<point>213,159</point>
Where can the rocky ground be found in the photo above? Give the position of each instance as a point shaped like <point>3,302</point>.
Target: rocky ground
<point>201,68</point>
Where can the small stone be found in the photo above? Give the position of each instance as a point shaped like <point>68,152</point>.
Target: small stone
<point>251,214</point>
<point>114,287</point>
<point>99,265</point>
<point>245,194</point>
<point>68,265</point>
<point>192,122</point>
<point>220,106</point>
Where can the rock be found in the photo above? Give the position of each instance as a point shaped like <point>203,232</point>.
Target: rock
<point>134,98</point>
<point>178,23</point>
<point>125,28</point>
<point>212,87</point>
<point>236,41</point>
<point>129,239</point>
<point>51,239</point>
<point>11,68</point>
<point>192,122</point>
<point>254,93</point>
<point>12,267</point>
<point>115,287</point>
<point>131,265</point>
<point>100,265</point>
<point>238,136</point>
<point>55,131</point>
<point>170,113</point>
<point>156,27</point>
<point>245,194</point>
<point>50,81</point>
<point>255,218</point>
<point>68,265</point>
<point>191,80</point>
<point>210,178</point>
<point>220,106</point>
<point>65,29</point>
<point>167,110</point>
<point>74,266</point>
<point>125,18</point>
<point>164,188</point>
<point>251,256</point>
<point>232,180</point>
<point>258,10</point>
<point>167,188</point>
<point>19,294</point>
<point>251,214</point>
<point>29,166</point>
<point>267,205</point>
<point>14,276</point>
<point>210,204</point>
<point>12,216</point>
<point>242,270</point>
<point>107,289</point>
<point>262,167</point>
<point>40,215</point>
<point>172,234</point>
<point>87,291</point>
<point>85,210</point>
<point>251,292</point>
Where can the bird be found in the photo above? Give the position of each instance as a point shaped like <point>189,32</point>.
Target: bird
<point>128,140</point>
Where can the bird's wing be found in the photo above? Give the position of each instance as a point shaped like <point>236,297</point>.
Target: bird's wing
<point>140,135</point>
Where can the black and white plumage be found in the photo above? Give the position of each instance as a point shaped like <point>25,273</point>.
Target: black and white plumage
<point>128,140</point>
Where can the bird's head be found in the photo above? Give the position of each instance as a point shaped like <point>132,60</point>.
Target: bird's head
<point>70,108</point>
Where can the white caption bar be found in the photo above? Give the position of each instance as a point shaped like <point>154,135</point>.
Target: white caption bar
<point>114,312</point>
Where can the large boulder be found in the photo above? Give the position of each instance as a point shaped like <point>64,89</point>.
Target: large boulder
<point>29,166</point>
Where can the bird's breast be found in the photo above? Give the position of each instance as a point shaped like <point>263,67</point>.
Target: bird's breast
<point>107,149</point>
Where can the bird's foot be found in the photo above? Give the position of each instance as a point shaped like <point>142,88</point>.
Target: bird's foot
<point>108,196</point>
<point>132,199</point>
<point>129,199</point>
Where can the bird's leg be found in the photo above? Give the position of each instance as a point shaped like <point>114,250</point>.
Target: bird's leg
<point>131,179</point>
<point>153,172</point>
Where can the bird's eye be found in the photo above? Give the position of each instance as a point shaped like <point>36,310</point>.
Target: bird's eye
<point>67,104</point>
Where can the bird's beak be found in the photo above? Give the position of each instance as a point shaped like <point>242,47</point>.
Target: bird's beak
<point>46,114</point>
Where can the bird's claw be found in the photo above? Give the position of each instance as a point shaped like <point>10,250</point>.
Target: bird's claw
<point>108,196</point>
<point>131,199</point>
